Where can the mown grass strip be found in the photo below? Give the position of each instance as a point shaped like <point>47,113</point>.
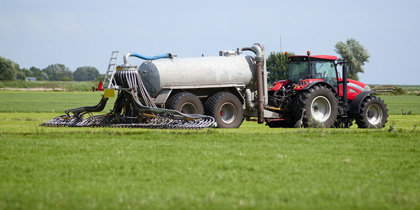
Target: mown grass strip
<point>24,101</point>
<point>212,170</point>
<point>50,85</point>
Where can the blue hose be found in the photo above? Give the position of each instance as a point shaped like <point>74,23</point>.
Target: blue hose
<point>167,55</point>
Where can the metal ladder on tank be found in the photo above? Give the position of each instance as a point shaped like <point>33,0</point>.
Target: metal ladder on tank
<point>112,66</point>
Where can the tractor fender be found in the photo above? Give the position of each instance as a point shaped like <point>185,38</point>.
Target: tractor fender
<point>310,85</point>
<point>357,101</point>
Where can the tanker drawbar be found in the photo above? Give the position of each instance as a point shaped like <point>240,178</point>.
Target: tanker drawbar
<point>133,107</point>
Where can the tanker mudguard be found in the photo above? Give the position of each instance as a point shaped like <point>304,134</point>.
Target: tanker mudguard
<point>355,104</point>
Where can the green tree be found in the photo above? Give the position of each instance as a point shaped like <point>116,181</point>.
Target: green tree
<point>355,54</point>
<point>8,69</point>
<point>57,72</point>
<point>44,76</point>
<point>277,66</point>
<point>20,75</point>
<point>100,78</point>
<point>36,72</point>
<point>85,73</point>
<point>26,72</point>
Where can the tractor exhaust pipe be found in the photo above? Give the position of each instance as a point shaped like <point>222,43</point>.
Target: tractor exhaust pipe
<point>345,103</point>
<point>258,49</point>
<point>260,89</point>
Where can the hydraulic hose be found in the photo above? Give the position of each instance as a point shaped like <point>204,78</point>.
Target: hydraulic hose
<point>149,58</point>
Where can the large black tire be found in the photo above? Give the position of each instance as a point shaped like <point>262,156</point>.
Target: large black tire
<point>319,107</point>
<point>185,102</point>
<point>226,109</point>
<point>373,113</point>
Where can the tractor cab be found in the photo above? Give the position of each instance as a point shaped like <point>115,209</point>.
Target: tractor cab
<point>307,69</point>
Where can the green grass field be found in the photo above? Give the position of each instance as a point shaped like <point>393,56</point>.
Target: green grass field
<point>51,85</point>
<point>253,167</point>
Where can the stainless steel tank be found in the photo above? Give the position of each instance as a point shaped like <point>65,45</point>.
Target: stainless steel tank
<point>200,72</point>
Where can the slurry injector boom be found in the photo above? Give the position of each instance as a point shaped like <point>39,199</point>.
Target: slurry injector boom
<point>133,106</point>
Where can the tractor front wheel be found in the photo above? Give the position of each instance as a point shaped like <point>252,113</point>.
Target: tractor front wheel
<point>373,113</point>
<point>316,107</point>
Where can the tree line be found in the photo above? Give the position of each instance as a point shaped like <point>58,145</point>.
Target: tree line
<point>277,66</point>
<point>9,71</point>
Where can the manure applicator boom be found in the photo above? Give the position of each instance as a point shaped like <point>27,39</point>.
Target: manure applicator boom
<point>222,91</point>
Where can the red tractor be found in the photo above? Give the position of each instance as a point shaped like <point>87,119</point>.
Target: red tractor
<point>314,95</point>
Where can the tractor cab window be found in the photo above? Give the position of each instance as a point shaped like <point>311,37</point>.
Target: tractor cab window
<point>324,70</point>
<point>298,71</point>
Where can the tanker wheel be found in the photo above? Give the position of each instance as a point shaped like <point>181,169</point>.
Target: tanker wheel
<point>373,113</point>
<point>318,106</point>
<point>226,109</point>
<point>186,103</point>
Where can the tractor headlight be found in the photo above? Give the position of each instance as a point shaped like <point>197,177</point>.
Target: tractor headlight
<point>303,83</point>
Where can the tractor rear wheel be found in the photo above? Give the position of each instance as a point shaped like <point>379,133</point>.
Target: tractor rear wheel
<point>316,107</point>
<point>226,109</point>
<point>186,103</point>
<point>373,113</point>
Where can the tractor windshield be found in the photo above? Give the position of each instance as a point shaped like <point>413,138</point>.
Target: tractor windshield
<point>320,69</point>
<point>298,71</point>
<point>324,70</point>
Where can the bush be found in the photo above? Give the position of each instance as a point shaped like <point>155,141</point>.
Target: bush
<point>66,78</point>
<point>100,78</point>
<point>398,91</point>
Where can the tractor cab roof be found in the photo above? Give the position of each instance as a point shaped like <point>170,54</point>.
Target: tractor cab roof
<point>313,57</point>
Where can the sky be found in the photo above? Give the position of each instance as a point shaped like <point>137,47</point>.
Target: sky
<point>84,32</point>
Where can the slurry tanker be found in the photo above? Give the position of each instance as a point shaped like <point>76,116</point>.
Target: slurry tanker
<point>223,91</point>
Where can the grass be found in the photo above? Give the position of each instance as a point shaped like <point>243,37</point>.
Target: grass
<point>53,85</point>
<point>250,167</point>
<point>25,101</point>
<point>402,104</point>
<point>410,89</point>
<point>253,167</point>
<point>402,89</point>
